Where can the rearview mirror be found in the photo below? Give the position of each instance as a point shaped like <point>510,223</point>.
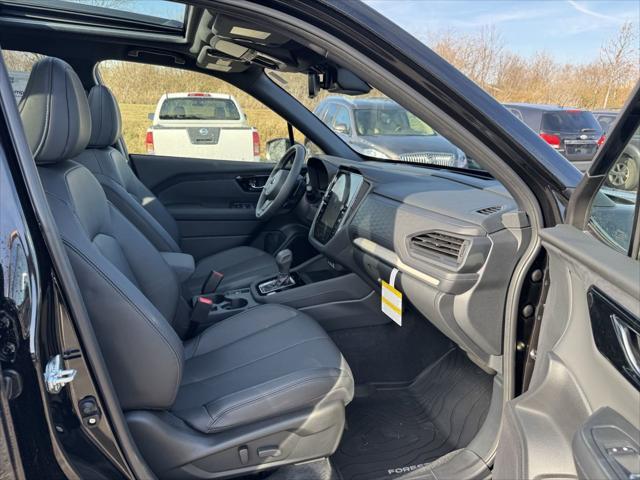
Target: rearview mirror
<point>276,148</point>
<point>150,116</point>
<point>314,84</point>
<point>337,80</point>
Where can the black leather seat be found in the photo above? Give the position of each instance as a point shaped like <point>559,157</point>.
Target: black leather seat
<point>240,265</point>
<point>267,386</point>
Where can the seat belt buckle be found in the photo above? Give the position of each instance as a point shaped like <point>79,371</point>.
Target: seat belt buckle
<point>210,285</point>
<point>201,309</point>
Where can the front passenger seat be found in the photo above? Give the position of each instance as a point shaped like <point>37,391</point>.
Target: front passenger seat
<point>263,388</point>
<point>241,266</point>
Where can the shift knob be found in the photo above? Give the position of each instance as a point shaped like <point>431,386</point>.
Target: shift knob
<point>283,260</point>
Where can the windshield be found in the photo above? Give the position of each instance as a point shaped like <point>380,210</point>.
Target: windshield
<point>571,121</point>
<point>378,121</point>
<point>199,108</point>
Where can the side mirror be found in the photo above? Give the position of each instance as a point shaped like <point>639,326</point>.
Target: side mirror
<point>151,115</point>
<point>276,148</point>
<point>341,128</point>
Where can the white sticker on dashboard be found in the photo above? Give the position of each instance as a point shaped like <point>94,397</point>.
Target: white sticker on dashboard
<point>392,299</point>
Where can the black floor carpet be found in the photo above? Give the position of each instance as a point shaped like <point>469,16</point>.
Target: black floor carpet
<point>391,428</point>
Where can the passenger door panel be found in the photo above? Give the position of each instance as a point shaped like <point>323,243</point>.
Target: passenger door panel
<point>580,416</point>
<point>572,379</point>
<point>213,201</point>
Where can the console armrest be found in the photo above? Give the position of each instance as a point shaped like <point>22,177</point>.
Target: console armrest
<point>182,264</point>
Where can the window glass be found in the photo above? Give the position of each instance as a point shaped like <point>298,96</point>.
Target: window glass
<point>564,58</point>
<point>159,12</point>
<point>330,114</point>
<point>613,210</point>
<point>342,119</point>
<point>606,121</point>
<point>382,129</point>
<point>172,112</point>
<point>19,66</point>
<point>570,121</point>
<point>388,118</point>
<point>200,106</point>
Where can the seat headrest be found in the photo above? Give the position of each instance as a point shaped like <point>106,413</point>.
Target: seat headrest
<point>55,112</point>
<point>106,122</point>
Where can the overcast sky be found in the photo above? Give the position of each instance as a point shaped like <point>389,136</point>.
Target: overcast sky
<point>569,30</point>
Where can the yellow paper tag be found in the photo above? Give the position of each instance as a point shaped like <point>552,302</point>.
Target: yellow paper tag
<point>392,302</point>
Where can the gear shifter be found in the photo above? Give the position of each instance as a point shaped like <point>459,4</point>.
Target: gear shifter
<point>283,260</point>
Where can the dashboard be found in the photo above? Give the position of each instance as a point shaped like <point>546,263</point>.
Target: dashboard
<point>453,238</point>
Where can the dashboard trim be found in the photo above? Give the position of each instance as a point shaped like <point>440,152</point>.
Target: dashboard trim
<point>391,258</point>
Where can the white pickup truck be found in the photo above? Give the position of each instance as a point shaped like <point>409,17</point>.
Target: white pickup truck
<point>201,125</point>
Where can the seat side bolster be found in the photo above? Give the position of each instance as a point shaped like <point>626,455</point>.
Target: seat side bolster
<point>144,354</point>
<point>136,214</point>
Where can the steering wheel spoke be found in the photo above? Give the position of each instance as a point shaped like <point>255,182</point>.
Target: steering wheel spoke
<point>281,182</point>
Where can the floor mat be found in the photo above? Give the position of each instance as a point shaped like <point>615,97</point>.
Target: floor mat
<point>391,429</point>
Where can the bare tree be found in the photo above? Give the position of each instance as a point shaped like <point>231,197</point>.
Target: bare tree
<point>619,58</point>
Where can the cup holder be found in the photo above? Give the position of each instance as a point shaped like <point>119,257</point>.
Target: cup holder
<point>218,298</point>
<point>236,302</point>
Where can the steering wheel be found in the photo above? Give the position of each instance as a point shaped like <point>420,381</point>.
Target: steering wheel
<point>281,182</point>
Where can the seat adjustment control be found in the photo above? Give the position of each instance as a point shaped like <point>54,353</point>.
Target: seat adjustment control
<point>267,452</point>
<point>243,453</point>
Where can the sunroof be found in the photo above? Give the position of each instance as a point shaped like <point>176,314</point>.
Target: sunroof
<point>163,13</point>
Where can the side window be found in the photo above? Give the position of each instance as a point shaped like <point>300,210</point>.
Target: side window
<point>179,113</point>
<point>605,121</point>
<point>612,214</point>
<point>19,66</point>
<point>341,122</point>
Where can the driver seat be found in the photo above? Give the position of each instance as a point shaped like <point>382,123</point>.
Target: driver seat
<point>241,266</point>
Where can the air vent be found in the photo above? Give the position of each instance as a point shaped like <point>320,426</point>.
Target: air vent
<point>437,243</point>
<point>489,210</point>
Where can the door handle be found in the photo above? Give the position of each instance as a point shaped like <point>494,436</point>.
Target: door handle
<point>253,183</point>
<point>629,340</point>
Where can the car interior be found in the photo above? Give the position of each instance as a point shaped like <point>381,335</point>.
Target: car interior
<point>238,305</point>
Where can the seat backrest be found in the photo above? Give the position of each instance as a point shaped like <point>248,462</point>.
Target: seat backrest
<point>134,200</point>
<point>130,293</point>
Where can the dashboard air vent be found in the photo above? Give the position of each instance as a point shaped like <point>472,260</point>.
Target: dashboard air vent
<point>489,210</point>
<point>441,244</point>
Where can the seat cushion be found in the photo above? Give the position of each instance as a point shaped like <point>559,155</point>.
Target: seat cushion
<point>241,267</point>
<point>265,362</point>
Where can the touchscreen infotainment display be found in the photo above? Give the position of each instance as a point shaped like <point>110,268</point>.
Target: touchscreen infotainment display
<point>335,204</point>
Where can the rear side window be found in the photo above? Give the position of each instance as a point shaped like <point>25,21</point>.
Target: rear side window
<point>199,107</point>
<point>573,121</point>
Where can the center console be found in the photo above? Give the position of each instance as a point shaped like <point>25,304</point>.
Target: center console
<point>320,284</point>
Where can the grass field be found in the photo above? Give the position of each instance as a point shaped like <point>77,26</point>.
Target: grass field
<point>135,123</point>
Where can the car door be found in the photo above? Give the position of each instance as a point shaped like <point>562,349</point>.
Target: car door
<point>213,201</point>
<point>212,198</point>
<point>580,416</point>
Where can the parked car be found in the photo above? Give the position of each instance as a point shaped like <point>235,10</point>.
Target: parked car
<point>624,174</point>
<point>573,132</point>
<point>380,128</point>
<point>605,118</point>
<point>201,125</point>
